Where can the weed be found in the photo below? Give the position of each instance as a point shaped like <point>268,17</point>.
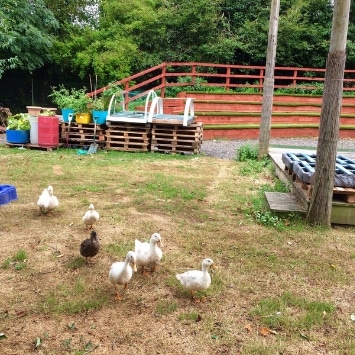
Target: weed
<point>76,263</point>
<point>6,264</point>
<point>247,152</point>
<point>72,326</point>
<point>267,218</point>
<point>18,261</point>
<point>165,307</point>
<point>119,250</point>
<point>20,256</point>
<point>190,317</point>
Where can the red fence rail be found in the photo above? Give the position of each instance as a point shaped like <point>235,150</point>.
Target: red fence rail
<point>227,76</point>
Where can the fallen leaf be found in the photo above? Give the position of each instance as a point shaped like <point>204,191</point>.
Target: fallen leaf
<point>21,314</point>
<point>324,314</point>
<point>2,336</point>
<point>248,327</point>
<point>352,317</point>
<point>304,336</point>
<point>199,318</point>
<point>38,342</point>
<point>264,331</point>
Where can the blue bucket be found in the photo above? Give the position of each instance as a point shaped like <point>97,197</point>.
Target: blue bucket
<point>65,114</point>
<point>17,136</point>
<point>99,116</point>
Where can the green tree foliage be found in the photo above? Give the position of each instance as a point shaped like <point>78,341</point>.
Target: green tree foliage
<point>25,34</point>
<point>303,37</point>
<point>131,36</point>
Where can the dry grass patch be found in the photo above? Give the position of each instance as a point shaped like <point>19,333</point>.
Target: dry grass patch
<point>286,289</point>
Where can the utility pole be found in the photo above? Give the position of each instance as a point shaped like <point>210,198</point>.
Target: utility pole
<point>320,209</point>
<point>268,89</point>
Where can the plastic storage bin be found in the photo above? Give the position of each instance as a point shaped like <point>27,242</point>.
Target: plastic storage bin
<point>7,194</point>
<point>34,129</point>
<point>99,116</point>
<point>83,118</point>
<point>48,131</point>
<point>17,136</point>
<point>66,112</point>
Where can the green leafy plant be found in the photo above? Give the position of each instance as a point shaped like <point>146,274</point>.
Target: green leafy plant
<point>18,261</point>
<point>75,99</point>
<point>19,121</point>
<point>247,152</point>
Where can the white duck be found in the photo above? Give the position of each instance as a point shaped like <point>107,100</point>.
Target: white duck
<point>149,254</point>
<point>121,272</point>
<point>197,280</point>
<point>47,201</point>
<point>90,217</point>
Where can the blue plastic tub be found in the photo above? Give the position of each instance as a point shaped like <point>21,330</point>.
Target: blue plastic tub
<point>99,116</point>
<point>17,136</point>
<point>7,194</point>
<point>65,114</point>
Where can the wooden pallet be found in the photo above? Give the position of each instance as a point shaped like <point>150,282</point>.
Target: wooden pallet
<point>33,146</point>
<point>126,136</point>
<point>346,194</point>
<point>177,139</point>
<point>81,134</point>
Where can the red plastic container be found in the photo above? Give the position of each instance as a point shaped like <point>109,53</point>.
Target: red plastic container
<point>48,131</point>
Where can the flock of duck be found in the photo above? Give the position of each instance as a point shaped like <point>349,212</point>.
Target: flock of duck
<point>145,255</point>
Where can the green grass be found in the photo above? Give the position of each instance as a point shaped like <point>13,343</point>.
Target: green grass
<point>292,278</point>
<point>290,313</point>
<point>73,299</point>
<point>18,261</point>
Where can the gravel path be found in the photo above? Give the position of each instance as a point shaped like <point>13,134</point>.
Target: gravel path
<point>226,149</point>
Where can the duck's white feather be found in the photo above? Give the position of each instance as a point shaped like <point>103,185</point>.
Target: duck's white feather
<point>91,216</point>
<point>121,272</point>
<point>197,280</point>
<point>148,253</point>
<point>47,201</point>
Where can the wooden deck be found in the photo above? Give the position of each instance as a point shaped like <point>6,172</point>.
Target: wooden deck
<point>299,198</point>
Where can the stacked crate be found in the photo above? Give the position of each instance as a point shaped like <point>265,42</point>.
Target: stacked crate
<point>79,134</point>
<point>126,136</point>
<point>175,138</point>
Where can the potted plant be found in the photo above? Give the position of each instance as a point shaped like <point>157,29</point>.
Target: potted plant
<point>75,101</point>
<point>99,105</point>
<point>18,129</point>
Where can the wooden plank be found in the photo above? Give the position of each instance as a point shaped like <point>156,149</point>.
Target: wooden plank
<point>284,202</point>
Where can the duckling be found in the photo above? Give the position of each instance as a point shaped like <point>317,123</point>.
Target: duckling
<point>47,201</point>
<point>197,280</point>
<point>149,254</point>
<point>90,247</point>
<point>90,217</point>
<point>121,272</point>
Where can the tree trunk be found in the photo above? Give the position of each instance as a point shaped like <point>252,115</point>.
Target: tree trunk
<point>268,89</point>
<point>320,209</point>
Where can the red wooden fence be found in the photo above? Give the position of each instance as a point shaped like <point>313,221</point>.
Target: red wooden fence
<point>226,76</point>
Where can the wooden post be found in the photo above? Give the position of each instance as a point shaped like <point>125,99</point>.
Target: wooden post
<point>320,209</point>
<point>268,92</point>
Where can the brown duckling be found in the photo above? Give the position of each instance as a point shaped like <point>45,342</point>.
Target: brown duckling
<point>90,246</point>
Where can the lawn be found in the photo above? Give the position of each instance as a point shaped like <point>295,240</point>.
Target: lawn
<point>281,287</point>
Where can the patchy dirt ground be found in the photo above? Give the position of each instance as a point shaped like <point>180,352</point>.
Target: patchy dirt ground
<point>54,303</point>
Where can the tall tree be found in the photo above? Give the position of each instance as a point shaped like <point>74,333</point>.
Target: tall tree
<point>25,34</point>
<point>268,92</point>
<point>322,194</point>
